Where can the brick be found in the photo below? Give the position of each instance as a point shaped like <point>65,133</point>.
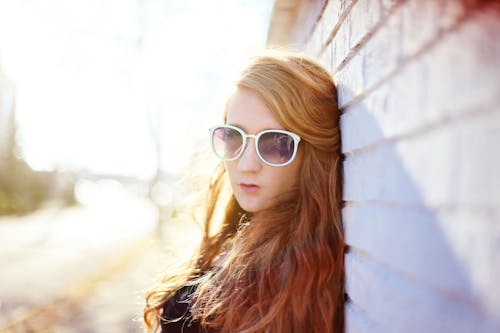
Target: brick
<point>334,15</point>
<point>330,17</point>
<point>356,321</point>
<point>413,23</point>
<point>396,304</point>
<point>350,84</point>
<point>389,50</point>
<point>468,75</point>
<point>377,58</point>
<point>382,174</point>
<point>363,18</point>
<point>316,45</point>
<point>316,41</point>
<point>463,244</point>
<point>379,229</point>
<point>444,83</point>
<point>382,53</point>
<point>424,20</point>
<point>394,108</point>
<point>361,22</point>
<point>342,45</point>
<point>308,14</point>
<point>452,164</point>
<point>326,58</point>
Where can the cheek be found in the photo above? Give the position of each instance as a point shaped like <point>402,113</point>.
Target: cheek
<point>293,177</point>
<point>230,167</point>
<point>287,179</point>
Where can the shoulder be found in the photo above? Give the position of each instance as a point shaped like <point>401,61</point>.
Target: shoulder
<point>176,315</point>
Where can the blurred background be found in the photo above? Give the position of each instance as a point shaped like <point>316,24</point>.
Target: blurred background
<point>104,106</point>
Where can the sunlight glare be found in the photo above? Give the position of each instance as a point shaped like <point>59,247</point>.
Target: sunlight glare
<point>99,83</point>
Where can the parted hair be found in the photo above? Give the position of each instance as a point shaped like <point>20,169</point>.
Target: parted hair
<point>283,268</point>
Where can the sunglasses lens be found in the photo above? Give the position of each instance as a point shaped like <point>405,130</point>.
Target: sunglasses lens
<point>276,148</point>
<point>226,142</point>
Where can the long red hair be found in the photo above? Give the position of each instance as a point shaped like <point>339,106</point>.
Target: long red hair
<point>284,268</point>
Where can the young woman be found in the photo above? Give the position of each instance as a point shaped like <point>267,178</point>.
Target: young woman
<point>276,262</point>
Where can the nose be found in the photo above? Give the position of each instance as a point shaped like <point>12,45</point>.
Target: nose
<point>249,161</point>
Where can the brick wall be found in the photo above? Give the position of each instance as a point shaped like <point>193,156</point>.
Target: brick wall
<point>419,89</point>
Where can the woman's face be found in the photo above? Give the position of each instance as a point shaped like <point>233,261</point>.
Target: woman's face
<point>256,184</point>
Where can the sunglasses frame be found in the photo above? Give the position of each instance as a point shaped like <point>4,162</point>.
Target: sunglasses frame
<point>256,137</point>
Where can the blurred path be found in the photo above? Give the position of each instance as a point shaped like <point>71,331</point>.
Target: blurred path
<point>117,303</point>
<point>86,268</point>
<point>85,265</point>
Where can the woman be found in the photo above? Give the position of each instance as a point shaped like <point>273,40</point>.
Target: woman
<point>276,262</point>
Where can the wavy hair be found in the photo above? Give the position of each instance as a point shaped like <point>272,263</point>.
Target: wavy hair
<point>283,269</point>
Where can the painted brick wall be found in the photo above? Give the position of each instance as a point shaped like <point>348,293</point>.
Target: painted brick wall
<point>419,89</point>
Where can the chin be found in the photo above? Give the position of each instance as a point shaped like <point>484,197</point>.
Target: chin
<point>250,207</point>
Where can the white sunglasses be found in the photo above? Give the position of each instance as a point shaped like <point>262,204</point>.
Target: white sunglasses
<point>274,147</point>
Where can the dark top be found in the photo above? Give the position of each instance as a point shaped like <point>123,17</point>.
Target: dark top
<point>176,316</point>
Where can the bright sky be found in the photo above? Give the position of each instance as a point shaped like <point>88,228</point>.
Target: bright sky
<point>97,80</point>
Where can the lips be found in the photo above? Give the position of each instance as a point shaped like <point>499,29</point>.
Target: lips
<point>249,188</point>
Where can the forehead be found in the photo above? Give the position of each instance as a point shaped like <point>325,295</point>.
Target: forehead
<point>248,111</point>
